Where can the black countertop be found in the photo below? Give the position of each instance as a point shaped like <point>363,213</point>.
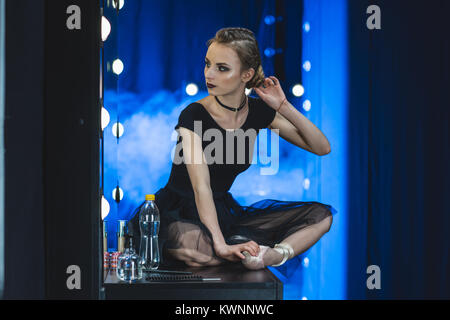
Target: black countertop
<point>236,283</point>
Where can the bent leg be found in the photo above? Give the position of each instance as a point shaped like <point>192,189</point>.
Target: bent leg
<point>300,241</point>
<point>190,244</point>
<point>305,238</point>
<point>300,228</point>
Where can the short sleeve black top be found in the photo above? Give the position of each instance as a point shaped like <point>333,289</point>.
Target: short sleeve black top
<point>225,167</point>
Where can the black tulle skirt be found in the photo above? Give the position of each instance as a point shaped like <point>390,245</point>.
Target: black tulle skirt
<point>267,222</point>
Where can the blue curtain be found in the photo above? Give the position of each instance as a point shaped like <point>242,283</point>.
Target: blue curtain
<point>398,160</point>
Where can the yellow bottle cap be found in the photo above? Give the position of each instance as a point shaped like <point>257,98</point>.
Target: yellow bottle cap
<point>149,197</point>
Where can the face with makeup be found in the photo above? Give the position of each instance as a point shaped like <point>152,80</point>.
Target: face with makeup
<point>223,70</point>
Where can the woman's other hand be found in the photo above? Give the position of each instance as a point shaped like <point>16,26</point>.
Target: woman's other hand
<point>234,252</point>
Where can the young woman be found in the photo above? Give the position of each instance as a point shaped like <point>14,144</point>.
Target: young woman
<point>201,223</point>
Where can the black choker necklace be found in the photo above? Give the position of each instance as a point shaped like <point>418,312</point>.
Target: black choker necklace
<point>230,108</point>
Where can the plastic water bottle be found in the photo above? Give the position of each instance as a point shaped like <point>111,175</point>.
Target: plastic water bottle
<point>149,227</point>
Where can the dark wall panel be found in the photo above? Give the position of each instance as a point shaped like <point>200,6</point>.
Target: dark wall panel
<point>24,101</point>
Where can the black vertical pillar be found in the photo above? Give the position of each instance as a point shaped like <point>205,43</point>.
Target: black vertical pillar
<point>71,148</point>
<point>51,138</point>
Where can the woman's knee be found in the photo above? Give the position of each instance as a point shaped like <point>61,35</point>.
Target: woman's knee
<point>210,263</point>
<point>191,263</point>
<point>327,222</point>
<point>193,257</point>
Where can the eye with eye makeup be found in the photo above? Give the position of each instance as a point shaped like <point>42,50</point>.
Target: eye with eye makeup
<point>221,68</point>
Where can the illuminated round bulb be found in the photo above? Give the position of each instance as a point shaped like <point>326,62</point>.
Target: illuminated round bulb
<point>117,66</point>
<point>306,262</point>
<point>106,28</point>
<point>104,207</point>
<point>191,89</point>
<point>114,129</point>
<point>298,90</point>
<point>120,194</point>
<point>269,52</point>
<point>269,20</point>
<point>121,3</point>
<point>105,118</point>
<point>304,298</point>
<point>306,105</point>
<point>306,27</point>
<point>306,183</point>
<point>307,65</point>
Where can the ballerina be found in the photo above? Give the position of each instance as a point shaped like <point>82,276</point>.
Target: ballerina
<point>201,223</point>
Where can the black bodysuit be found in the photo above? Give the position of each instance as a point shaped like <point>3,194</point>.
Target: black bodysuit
<point>222,176</point>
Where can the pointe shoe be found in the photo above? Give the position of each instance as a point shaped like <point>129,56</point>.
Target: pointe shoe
<point>256,263</point>
<point>252,262</point>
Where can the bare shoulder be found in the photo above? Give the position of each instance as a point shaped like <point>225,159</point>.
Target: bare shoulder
<point>206,102</point>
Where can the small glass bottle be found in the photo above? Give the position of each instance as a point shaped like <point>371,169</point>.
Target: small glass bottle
<point>129,266</point>
<point>121,232</point>
<point>105,238</point>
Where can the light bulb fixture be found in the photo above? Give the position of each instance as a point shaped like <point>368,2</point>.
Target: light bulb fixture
<point>121,3</point>
<point>117,66</point>
<point>191,89</point>
<point>104,207</point>
<point>106,28</point>
<point>114,194</point>
<point>105,118</point>
<point>298,90</point>
<point>120,128</point>
<point>306,105</point>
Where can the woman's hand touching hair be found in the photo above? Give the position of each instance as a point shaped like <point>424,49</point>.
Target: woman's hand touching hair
<point>271,92</point>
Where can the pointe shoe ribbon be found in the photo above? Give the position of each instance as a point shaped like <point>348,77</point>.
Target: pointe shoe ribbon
<point>286,250</point>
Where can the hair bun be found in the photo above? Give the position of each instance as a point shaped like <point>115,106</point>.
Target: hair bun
<point>257,79</point>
